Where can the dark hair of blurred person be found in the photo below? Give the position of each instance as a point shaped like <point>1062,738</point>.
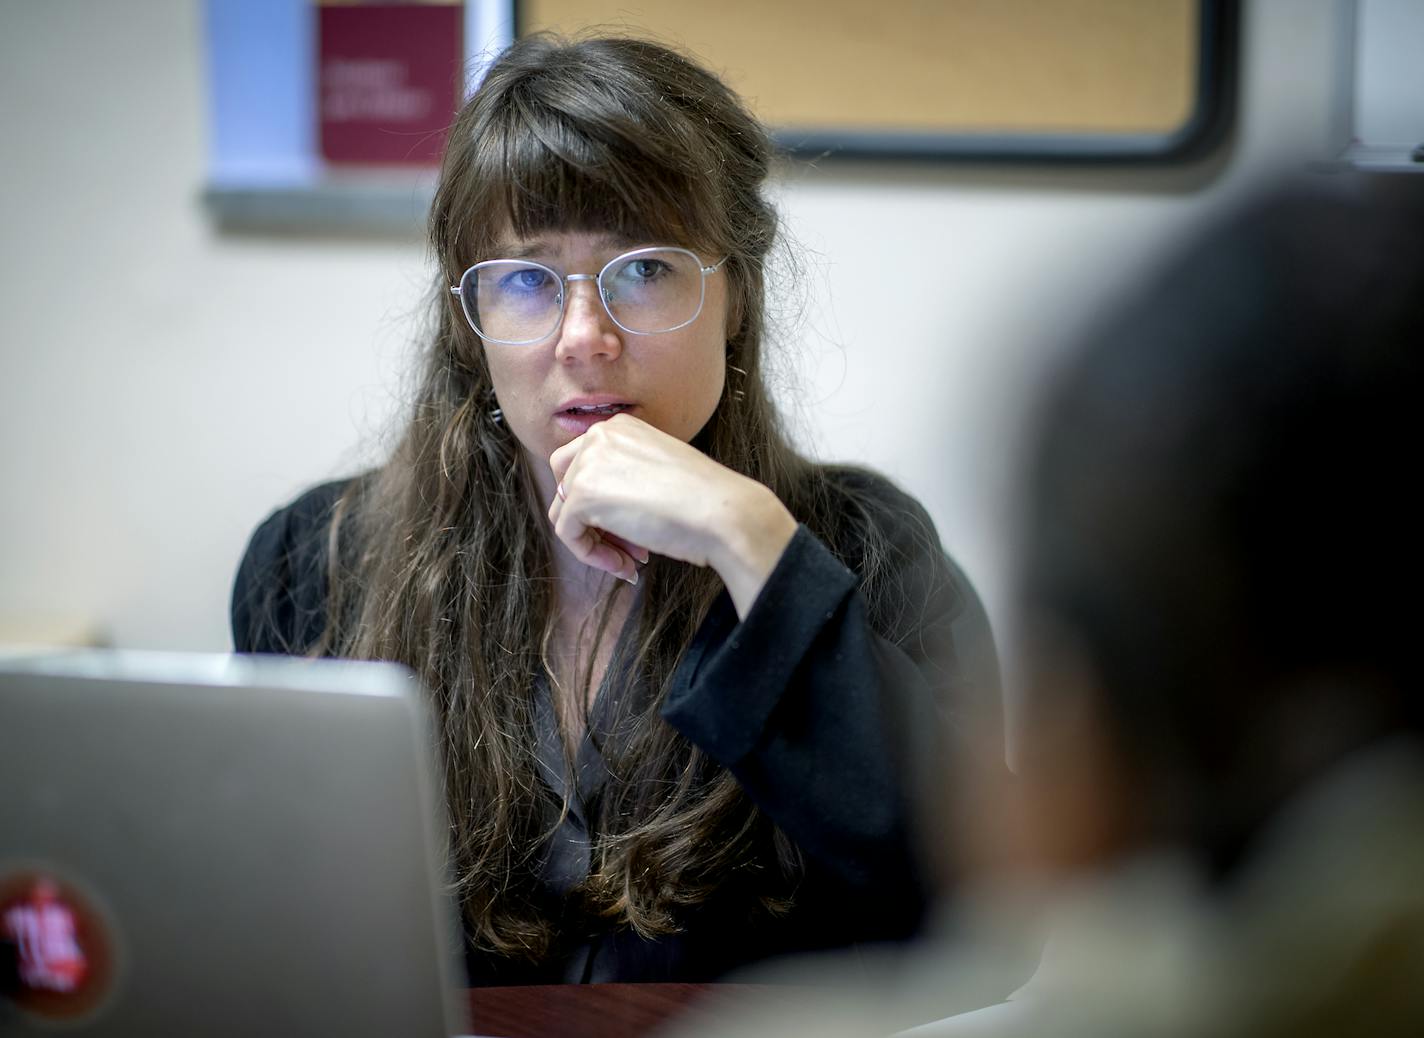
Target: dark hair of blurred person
<point>1222,519</point>
<point>1220,564</point>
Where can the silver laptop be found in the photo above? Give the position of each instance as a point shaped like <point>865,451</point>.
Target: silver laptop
<point>220,845</point>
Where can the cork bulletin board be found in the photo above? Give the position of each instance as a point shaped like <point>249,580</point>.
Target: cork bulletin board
<point>1145,80</point>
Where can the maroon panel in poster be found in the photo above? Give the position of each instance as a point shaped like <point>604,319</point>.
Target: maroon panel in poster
<point>389,79</point>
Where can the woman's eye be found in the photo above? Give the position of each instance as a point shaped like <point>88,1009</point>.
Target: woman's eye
<point>530,279</point>
<point>647,269</point>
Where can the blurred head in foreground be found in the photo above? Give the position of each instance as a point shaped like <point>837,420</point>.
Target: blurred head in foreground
<point>1222,549</point>
<point>1220,569</point>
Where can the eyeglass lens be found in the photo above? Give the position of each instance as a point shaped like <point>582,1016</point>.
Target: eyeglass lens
<point>519,301</point>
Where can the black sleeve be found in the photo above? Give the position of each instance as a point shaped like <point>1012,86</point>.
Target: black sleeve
<point>830,719</point>
<point>279,595</point>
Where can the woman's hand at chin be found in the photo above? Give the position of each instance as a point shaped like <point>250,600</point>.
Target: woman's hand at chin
<point>627,489</point>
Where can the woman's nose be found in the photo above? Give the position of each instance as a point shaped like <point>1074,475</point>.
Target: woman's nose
<point>587,331</point>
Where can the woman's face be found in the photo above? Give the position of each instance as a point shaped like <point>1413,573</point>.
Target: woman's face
<point>553,390</point>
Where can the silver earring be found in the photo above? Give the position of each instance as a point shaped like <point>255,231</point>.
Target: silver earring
<point>737,394</point>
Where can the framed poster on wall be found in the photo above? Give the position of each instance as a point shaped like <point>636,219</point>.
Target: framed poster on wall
<point>389,80</point>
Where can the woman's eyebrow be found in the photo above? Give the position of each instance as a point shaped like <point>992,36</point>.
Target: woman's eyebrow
<point>538,247</point>
<point>620,241</point>
<point>521,250</point>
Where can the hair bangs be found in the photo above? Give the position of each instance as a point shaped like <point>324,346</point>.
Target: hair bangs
<point>553,172</point>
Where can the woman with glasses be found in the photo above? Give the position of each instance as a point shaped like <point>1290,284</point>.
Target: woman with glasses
<point>686,680</point>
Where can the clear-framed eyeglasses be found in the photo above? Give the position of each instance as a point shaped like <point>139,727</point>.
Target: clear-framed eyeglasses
<point>646,291</point>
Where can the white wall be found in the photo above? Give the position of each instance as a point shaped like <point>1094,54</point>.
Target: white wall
<point>163,386</point>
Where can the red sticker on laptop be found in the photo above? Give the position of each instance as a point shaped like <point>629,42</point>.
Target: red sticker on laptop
<point>56,947</point>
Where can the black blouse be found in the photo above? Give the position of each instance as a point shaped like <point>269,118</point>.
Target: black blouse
<point>829,718</point>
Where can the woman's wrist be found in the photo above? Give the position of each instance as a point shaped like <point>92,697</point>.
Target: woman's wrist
<point>753,532</point>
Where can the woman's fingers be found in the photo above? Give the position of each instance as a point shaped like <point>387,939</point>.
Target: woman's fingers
<point>562,458</point>
<point>594,547</point>
<point>590,548</point>
<point>624,485</point>
<point>632,483</point>
<point>634,551</point>
<point>560,462</point>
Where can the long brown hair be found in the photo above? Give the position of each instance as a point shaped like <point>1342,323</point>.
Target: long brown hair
<point>441,558</point>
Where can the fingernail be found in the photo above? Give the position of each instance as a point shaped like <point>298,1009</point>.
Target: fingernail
<point>633,579</point>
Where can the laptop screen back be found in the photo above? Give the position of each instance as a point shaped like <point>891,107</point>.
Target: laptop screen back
<point>221,845</point>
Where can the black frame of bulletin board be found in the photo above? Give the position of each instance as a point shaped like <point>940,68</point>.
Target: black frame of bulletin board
<point>1208,122</point>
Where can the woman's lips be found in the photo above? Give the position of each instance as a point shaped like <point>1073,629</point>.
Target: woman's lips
<point>579,417</point>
